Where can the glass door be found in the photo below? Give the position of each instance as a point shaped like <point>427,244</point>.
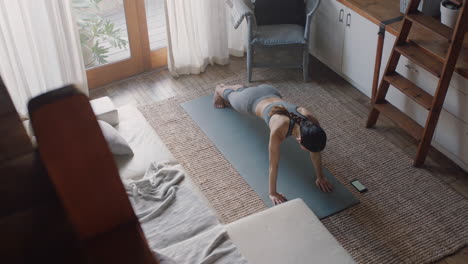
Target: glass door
<point>115,40</point>
<point>156,32</point>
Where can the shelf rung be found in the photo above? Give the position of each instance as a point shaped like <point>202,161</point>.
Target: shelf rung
<point>401,119</point>
<point>422,58</point>
<point>410,89</point>
<point>431,24</point>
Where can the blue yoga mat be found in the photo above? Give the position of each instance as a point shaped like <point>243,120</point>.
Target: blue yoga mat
<point>243,140</point>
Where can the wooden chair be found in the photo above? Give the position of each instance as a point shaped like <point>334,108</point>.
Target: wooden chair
<point>280,36</point>
<point>64,202</point>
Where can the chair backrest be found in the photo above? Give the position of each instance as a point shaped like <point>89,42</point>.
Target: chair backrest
<point>33,225</point>
<point>46,217</point>
<point>82,170</point>
<point>311,6</point>
<point>274,12</point>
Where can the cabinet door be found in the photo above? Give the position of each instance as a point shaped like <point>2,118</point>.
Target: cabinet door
<point>360,45</point>
<point>452,138</point>
<point>327,34</point>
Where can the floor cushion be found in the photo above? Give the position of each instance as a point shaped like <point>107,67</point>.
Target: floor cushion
<point>287,233</point>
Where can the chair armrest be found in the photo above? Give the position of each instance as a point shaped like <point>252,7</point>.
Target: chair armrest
<point>239,10</point>
<point>311,8</point>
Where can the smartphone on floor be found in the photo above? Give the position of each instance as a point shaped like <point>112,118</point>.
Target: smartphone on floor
<point>359,186</point>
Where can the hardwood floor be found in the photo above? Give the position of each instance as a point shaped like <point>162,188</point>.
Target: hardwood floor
<point>159,85</point>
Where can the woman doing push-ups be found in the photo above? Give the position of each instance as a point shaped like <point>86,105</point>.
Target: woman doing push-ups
<point>284,119</point>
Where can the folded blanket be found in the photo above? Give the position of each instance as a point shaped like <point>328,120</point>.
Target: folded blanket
<point>177,223</point>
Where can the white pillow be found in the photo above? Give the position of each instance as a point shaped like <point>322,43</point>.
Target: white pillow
<point>117,144</point>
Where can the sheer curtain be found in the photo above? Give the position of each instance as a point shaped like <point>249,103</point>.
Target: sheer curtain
<point>199,33</point>
<point>39,48</point>
<point>237,38</point>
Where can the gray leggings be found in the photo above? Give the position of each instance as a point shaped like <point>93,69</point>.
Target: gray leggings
<point>244,100</point>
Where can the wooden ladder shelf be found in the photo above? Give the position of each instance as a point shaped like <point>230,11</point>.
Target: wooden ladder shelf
<point>442,69</point>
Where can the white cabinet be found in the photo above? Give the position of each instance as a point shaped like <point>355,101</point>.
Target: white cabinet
<point>327,33</point>
<point>346,42</point>
<point>451,138</point>
<point>360,45</point>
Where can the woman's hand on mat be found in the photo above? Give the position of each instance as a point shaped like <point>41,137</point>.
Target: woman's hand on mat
<point>277,198</point>
<point>324,185</point>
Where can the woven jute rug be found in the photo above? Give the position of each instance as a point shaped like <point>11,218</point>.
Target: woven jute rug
<point>407,216</point>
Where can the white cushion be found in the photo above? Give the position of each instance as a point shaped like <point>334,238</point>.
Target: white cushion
<point>147,146</point>
<point>105,110</point>
<point>117,144</point>
<point>287,233</point>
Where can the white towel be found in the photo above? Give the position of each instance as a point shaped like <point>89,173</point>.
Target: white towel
<point>176,222</point>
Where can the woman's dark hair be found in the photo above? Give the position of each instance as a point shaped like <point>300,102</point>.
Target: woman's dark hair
<point>313,137</point>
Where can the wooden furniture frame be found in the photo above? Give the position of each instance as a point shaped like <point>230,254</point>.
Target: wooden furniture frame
<point>64,203</point>
<point>83,171</point>
<point>443,69</point>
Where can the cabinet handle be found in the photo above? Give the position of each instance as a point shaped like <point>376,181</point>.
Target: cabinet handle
<point>348,20</point>
<point>341,16</point>
<point>411,68</point>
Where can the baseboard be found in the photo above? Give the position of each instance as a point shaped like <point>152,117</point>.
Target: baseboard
<point>450,155</point>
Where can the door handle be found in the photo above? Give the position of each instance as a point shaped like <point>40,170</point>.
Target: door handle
<point>348,20</point>
<point>341,16</point>
<point>411,68</point>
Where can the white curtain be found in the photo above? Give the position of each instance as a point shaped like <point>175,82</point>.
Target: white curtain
<point>39,48</point>
<point>199,34</point>
<point>237,38</point>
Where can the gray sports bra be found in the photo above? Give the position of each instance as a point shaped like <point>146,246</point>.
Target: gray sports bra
<point>292,108</point>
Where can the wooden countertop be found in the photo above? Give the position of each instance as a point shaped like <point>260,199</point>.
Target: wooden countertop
<point>381,10</point>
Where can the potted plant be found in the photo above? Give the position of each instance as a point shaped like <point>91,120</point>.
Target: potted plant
<point>449,13</point>
<point>94,30</point>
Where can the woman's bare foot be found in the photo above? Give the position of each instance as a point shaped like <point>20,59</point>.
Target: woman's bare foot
<point>218,100</point>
